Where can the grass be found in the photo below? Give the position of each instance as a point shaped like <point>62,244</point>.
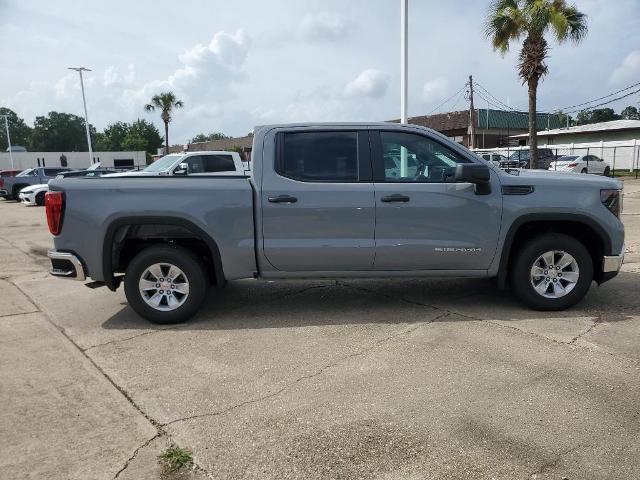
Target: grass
<point>626,173</point>
<point>176,458</point>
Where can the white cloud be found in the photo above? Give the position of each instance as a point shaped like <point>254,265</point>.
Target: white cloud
<point>114,78</point>
<point>370,83</point>
<point>434,90</point>
<point>628,70</point>
<point>324,27</point>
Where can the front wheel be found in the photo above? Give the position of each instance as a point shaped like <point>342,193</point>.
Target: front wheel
<point>607,172</point>
<point>40,199</point>
<point>552,271</point>
<point>165,284</point>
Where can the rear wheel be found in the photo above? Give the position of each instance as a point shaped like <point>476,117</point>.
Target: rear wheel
<point>165,284</point>
<point>552,271</point>
<point>40,199</point>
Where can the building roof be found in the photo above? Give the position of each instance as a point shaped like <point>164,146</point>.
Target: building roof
<point>443,122</point>
<point>513,120</point>
<point>613,125</point>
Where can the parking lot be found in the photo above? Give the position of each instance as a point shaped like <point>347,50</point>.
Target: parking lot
<point>404,379</point>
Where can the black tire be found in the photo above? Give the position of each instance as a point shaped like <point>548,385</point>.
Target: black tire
<point>522,264</point>
<point>607,172</point>
<point>185,261</point>
<point>16,192</point>
<point>40,199</point>
<point>584,170</point>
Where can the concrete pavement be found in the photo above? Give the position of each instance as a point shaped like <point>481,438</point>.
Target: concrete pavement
<point>351,379</point>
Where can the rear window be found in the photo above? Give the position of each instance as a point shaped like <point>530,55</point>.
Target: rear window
<point>319,156</point>
<point>210,164</point>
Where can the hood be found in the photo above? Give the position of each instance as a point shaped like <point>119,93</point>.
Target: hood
<point>131,174</point>
<point>33,188</point>
<point>551,178</point>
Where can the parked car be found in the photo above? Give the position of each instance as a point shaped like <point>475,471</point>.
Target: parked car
<point>581,164</point>
<point>192,163</point>
<point>320,202</point>
<point>495,158</point>
<point>31,176</point>
<point>34,195</point>
<point>520,159</point>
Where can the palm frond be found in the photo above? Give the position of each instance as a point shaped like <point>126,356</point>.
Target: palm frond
<point>505,22</point>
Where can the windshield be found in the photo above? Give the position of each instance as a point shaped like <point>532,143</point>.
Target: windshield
<point>24,173</point>
<point>567,158</point>
<point>162,164</point>
<point>520,155</point>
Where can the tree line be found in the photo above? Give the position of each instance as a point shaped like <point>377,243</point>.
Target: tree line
<point>65,132</point>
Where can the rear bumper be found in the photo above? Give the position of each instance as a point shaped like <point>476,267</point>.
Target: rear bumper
<point>66,265</point>
<point>611,265</point>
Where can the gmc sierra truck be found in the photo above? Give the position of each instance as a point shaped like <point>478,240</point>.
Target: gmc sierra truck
<point>338,201</point>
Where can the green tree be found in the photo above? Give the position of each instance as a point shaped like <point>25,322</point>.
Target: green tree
<point>142,135</point>
<point>201,137</point>
<point>531,19</point>
<point>630,113</point>
<point>596,116</point>
<point>60,132</point>
<point>19,131</point>
<point>110,140</point>
<point>166,102</point>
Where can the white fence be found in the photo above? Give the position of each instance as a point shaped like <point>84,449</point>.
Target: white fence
<point>22,160</point>
<point>620,155</point>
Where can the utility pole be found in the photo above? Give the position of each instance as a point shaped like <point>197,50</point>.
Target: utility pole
<point>86,117</point>
<point>6,125</point>
<point>471,114</point>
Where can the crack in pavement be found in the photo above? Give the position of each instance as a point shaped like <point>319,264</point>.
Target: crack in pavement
<point>596,322</point>
<point>364,351</point>
<point>552,463</point>
<point>135,452</point>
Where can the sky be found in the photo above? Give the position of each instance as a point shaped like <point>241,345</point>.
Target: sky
<point>241,63</point>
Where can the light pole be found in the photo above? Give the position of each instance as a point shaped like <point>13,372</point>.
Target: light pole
<point>84,102</point>
<point>6,125</point>
<point>404,58</point>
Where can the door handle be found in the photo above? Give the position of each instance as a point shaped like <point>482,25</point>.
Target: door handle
<point>396,197</point>
<point>283,199</point>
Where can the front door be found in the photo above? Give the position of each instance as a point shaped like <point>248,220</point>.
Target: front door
<point>424,219</point>
<point>317,203</point>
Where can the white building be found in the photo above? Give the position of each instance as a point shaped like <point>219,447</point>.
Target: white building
<point>614,131</point>
<point>22,160</point>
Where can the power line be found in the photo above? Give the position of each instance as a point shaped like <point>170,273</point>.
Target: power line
<point>448,99</point>
<point>602,98</point>
<point>487,92</point>
<point>592,107</point>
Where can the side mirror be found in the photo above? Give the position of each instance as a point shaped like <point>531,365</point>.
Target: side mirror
<point>182,169</point>
<point>479,175</point>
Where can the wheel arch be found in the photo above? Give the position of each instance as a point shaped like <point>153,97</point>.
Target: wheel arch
<point>160,229</point>
<point>581,227</point>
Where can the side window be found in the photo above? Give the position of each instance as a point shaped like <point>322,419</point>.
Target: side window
<point>210,164</point>
<point>414,158</point>
<point>319,156</point>
<point>52,172</point>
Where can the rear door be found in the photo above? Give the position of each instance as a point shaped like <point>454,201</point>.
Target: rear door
<point>317,201</point>
<point>424,219</point>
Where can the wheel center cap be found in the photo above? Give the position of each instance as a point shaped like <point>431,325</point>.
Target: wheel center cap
<point>166,285</point>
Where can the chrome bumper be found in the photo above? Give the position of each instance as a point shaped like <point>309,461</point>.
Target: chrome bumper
<point>66,265</point>
<point>612,263</point>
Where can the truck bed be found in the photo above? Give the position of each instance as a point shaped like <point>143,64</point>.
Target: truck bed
<point>221,207</point>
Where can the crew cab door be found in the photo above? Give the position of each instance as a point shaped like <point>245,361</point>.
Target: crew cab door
<point>424,219</point>
<point>317,201</point>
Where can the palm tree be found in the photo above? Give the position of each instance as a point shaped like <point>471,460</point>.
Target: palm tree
<point>532,19</point>
<point>165,102</point>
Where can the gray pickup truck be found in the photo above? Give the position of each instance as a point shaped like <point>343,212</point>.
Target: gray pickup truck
<point>338,201</point>
<point>11,186</point>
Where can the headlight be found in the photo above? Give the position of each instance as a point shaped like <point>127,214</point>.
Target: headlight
<point>612,199</point>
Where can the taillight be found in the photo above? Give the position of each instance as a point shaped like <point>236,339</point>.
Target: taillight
<point>572,165</point>
<point>54,205</point>
<point>1,182</point>
<point>612,199</point>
